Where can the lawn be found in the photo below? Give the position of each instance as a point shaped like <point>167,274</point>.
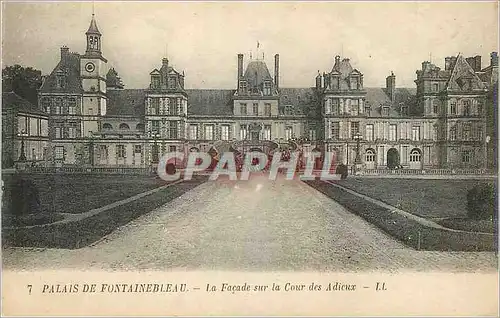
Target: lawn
<point>64,193</point>
<point>443,201</point>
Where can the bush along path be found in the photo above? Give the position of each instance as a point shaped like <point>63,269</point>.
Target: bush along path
<point>76,231</point>
<point>413,231</point>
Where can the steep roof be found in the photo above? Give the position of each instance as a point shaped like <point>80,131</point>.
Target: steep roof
<point>69,65</point>
<point>257,72</point>
<point>210,101</point>
<point>127,102</point>
<point>304,101</point>
<point>11,100</point>
<point>462,72</point>
<point>93,27</point>
<point>377,97</point>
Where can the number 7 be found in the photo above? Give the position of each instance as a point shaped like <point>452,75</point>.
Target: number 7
<point>29,287</point>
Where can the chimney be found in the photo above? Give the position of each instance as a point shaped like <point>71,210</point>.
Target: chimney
<point>390,85</point>
<point>318,81</point>
<point>64,51</point>
<point>494,59</point>
<point>477,60</point>
<point>448,63</point>
<point>240,69</point>
<point>277,70</point>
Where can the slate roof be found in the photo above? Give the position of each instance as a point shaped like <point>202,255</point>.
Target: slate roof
<point>256,73</point>
<point>304,101</point>
<point>70,66</point>
<point>210,101</point>
<point>93,27</point>
<point>462,69</point>
<point>11,100</point>
<point>126,102</point>
<point>377,97</point>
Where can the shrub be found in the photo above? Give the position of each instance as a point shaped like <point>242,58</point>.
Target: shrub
<point>481,202</point>
<point>342,170</point>
<point>21,196</point>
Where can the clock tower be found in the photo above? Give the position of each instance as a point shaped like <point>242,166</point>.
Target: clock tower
<point>93,69</point>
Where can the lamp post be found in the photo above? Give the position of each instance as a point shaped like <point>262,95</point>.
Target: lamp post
<point>22,156</point>
<point>357,160</point>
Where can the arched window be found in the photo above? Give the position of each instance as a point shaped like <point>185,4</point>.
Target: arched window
<point>370,155</point>
<point>435,106</point>
<point>124,126</point>
<point>139,127</point>
<point>415,155</point>
<point>107,126</point>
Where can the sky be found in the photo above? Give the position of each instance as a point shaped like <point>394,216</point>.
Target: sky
<point>203,38</point>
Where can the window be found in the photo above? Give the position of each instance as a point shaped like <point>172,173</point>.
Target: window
<point>267,109</point>
<point>467,156</point>
<point>155,106</point>
<point>466,128</point>
<point>209,132</point>
<point>370,155</point>
<point>243,86</point>
<point>107,126</point>
<point>59,153</point>
<point>354,106</point>
<point>267,88</point>
<point>435,106</point>
<point>255,108</point>
<point>60,79</point>
<point>335,106</point>
<point>179,106</point>
<point>415,133</point>
<point>392,132</point>
<point>336,130</point>
<point>288,133</point>
<point>288,110</point>
<point>137,149</point>
<point>155,82</point>
<point>466,104</point>
<point>224,132</point>
<point>172,110</point>
<point>193,132</point>
<point>124,126</point>
<point>243,108</point>
<point>180,103</point>
<point>335,82</point>
<point>312,134</point>
<point>46,104</point>
<point>243,132</point>
<point>453,108</point>
<point>369,132</point>
<point>354,128</point>
<point>71,132</point>
<point>58,106</point>
<point>172,128</point>
<point>155,126</point>
<point>267,132</point>
<point>453,133</point>
<point>120,151</point>
<point>479,108</point>
<point>172,82</point>
<point>58,132</point>
<point>354,83</point>
<point>435,87</point>
<point>415,155</point>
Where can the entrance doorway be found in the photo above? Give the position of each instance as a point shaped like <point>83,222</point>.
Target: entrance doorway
<point>392,158</point>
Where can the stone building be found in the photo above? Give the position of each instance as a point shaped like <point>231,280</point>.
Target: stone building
<point>94,120</point>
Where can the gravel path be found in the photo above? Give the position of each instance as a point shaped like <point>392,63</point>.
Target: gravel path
<point>249,225</point>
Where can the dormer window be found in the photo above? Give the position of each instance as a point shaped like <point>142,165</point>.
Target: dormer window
<point>243,86</point>
<point>288,109</point>
<point>354,81</point>
<point>385,110</point>
<point>267,88</point>
<point>335,82</point>
<point>60,79</point>
<point>172,82</point>
<point>155,82</point>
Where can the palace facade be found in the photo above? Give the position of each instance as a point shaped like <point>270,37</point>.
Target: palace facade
<point>93,120</point>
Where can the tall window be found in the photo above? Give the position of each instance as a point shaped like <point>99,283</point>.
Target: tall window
<point>466,128</point>
<point>120,151</point>
<point>155,126</point>
<point>288,132</point>
<point>255,108</point>
<point>355,107</point>
<point>267,88</point>
<point>336,131</point>
<point>392,132</point>
<point>267,132</point>
<point>58,105</point>
<point>335,106</point>
<point>354,83</point>
<point>312,134</point>
<point>46,104</point>
<point>155,82</point>
<point>193,132</point>
<point>267,109</point>
<point>453,133</point>
<point>354,128</point>
<point>209,132</point>
<point>172,110</point>
<point>58,132</point>
<point>435,106</point>
<point>415,133</point>
<point>155,106</point>
<point>335,82</point>
<point>72,106</point>
<point>243,86</point>
<point>224,132</point>
<point>369,132</point>
<point>467,156</point>
<point>243,108</point>
<point>453,108</point>
<point>435,87</point>
<point>243,132</point>
<point>480,108</point>
<point>59,153</point>
<point>466,104</point>
<point>71,132</point>
<point>172,127</point>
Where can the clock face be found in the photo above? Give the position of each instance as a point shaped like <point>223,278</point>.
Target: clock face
<point>90,67</point>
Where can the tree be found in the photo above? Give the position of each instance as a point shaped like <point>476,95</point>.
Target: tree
<point>24,81</point>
